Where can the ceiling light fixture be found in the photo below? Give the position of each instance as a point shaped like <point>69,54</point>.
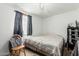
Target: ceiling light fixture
<point>42,6</point>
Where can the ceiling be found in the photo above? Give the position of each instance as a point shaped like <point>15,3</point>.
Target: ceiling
<point>47,9</point>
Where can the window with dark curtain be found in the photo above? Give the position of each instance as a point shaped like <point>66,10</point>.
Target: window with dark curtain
<point>18,23</point>
<point>18,26</point>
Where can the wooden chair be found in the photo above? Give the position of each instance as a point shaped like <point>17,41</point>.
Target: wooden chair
<point>17,50</point>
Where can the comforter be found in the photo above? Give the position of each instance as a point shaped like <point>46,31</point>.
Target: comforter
<point>49,45</point>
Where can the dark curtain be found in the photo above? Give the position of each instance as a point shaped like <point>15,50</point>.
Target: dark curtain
<point>18,23</point>
<point>29,25</point>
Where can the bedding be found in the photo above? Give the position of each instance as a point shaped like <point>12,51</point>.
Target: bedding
<point>50,45</point>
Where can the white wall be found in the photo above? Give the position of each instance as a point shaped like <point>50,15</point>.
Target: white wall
<point>37,25</point>
<point>6,27</point>
<point>58,24</point>
<point>7,16</point>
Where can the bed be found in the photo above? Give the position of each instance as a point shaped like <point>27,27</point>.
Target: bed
<point>48,45</point>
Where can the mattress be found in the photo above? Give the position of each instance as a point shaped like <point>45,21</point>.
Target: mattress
<point>45,44</point>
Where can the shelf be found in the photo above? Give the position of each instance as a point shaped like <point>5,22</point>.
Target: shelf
<point>73,32</point>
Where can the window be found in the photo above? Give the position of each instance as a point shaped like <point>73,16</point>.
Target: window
<point>24,22</point>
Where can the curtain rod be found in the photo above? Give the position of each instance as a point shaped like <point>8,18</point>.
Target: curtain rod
<point>21,12</point>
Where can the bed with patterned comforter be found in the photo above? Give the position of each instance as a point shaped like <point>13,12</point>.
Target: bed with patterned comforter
<point>49,45</point>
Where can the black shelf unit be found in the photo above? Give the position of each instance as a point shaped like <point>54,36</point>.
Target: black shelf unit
<point>72,35</point>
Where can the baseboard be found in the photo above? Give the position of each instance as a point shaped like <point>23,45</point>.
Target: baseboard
<point>4,54</point>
